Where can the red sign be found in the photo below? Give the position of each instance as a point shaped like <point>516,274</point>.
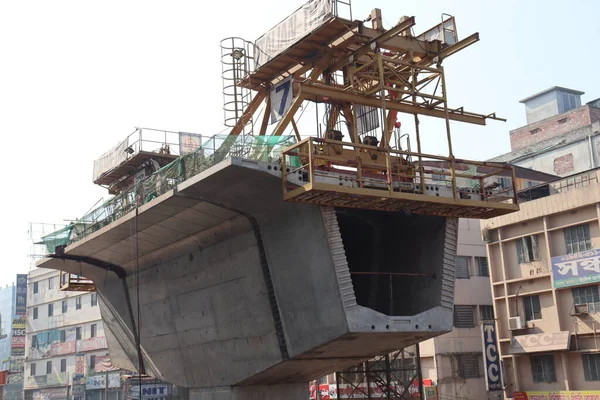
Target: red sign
<point>94,343</point>
<point>62,348</point>
<point>103,364</point>
<point>558,395</point>
<point>346,391</point>
<point>79,363</point>
<point>18,341</point>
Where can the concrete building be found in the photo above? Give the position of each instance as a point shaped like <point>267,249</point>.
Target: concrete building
<point>453,361</point>
<point>544,268</point>
<point>7,311</point>
<point>561,136</point>
<point>12,383</point>
<point>66,350</point>
<point>65,341</point>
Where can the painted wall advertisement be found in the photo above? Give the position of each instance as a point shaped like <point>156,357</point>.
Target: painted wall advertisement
<point>576,269</point>
<point>18,336</point>
<point>360,391</point>
<point>21,295</point>
<point>493,374</point>
<point>559,395</point>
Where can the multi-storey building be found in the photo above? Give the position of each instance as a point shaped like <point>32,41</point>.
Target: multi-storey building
<point>454,361</point>
<point>545,267</point>
<point>66,349</point>
<point>7,311</point>
<point>561,137</point>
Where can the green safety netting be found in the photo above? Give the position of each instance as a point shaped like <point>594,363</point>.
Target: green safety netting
<point>58,238</point>
<point>212,151</point>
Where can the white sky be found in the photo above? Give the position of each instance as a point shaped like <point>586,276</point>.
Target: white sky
<point>77,76</point>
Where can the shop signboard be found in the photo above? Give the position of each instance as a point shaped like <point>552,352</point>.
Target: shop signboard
<point>21,295</point>
<point>18,336</point>
<point>79,363</point>
<point>540,342</point>
<point>51,394</point>
<point>576,269</point>
<point>95,343</point>
<point>558,395</point>
<point>99,381</point>
<point>360,391</point>
<point>491,358</point>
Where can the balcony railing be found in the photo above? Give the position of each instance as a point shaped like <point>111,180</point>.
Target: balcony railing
<point>337,173</point>
<point>54,379</point>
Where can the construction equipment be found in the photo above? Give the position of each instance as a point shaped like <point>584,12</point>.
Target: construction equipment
<point>366,77</point>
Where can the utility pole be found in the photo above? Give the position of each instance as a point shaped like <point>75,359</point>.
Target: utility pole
<point>106,387</point>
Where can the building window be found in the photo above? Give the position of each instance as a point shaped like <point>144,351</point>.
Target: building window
<point>94,299</point>
<point>65,306</point>
<point>78,333</point>
<point>542,369</point>
<point>92,362</point>
<point>467,366</point>
<point>527,249</point>
<point>463,317</point>
<point>93,330</point>
<point>482,266</point>
<point>63,365</point>
<point>587,295</point>
<point>35,313</point>
<point>78,303</point>
<point>533,310</point>
<point>35,290</point>
<point>487,313</point>
<point>462,267</point>
<point>32,369</point>
<point>591,367</point>
<point>577,238</point>
<point>48,367</point>
<point>34,342</point>
<point>50,283</point>
<point>50,309</point>
<point>63,336</point>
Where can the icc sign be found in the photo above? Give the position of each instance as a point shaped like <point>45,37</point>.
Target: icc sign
<point>493,375</point>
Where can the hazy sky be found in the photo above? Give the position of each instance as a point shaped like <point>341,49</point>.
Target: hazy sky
<point>77,76</point>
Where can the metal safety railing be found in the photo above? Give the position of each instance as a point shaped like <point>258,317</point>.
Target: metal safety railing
<point>363,166</point>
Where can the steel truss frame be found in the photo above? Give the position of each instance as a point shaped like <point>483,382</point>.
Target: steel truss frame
<point>391,376</point>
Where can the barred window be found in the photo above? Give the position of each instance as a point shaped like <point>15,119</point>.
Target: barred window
<point>462,267</point>
<point>467,366</point>
<point>591,367</point>
<point>482,266</point>
<point>487,313</point>
<point>587,295</point>
<point>464,317</point>
<point>527,249</point>
<point>542,369</point>
<point>577,238</point>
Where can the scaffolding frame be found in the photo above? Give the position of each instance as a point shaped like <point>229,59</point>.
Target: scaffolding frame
<point>392,376</point>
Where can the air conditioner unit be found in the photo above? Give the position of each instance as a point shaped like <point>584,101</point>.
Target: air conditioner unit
<point>516,324</point>
<point>580,309</point>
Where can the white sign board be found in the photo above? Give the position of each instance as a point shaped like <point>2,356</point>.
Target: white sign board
<point>281,98</point>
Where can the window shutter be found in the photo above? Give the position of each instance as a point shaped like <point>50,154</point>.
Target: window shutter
<point>462,268</point>
<point>463,317</point>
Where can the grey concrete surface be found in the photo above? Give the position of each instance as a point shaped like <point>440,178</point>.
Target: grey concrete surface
<point>238,288</point>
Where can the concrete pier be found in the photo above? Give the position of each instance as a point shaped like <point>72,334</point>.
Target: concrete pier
<point>245,296</point>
